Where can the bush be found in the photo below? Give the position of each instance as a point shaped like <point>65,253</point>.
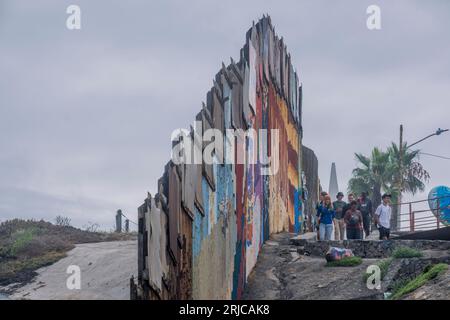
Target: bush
<point>21,238</point>
<point>406,252</point>
<point>419,281</point>
<point>345,262</point>
<point>62,221</point>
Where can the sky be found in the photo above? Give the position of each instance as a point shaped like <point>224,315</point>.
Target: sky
<point>86,115</point>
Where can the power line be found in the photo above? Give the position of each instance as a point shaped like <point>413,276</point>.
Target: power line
<point>434,155</point>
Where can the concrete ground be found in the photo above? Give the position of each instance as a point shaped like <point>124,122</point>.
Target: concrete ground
<point>281,273</point>
<point>106,268</point>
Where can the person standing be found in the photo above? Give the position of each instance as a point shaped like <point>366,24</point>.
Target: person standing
<point>322,196</point>
<point>339,225</point>
<point>383,217</point>
<point>326,216</point>
<point>365,206</point>
<point>353,220</point>
<point>350,198</point>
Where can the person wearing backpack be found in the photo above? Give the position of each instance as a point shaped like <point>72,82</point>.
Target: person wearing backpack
<point>353,221</point>
<point>322,196</point>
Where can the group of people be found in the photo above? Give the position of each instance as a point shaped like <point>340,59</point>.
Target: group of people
<point>353,218</point>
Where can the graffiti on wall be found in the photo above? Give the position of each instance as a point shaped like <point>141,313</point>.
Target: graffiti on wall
<point>200,235</point>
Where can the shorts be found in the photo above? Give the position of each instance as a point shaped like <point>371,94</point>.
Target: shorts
<point>384,232</point>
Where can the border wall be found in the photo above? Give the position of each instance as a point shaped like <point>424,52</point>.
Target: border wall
<point>200,235</point>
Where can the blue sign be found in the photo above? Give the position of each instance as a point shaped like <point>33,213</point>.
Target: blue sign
<point>440,195</point>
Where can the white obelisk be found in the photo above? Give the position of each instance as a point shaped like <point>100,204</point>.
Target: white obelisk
<point>334,188</point>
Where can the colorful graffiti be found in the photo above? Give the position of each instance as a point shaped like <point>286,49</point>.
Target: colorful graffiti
<point>214,218</point>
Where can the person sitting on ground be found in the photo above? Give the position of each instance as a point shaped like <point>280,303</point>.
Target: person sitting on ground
<point>339,225</point>
<point>353,221</point>
<point>383,217</point>
<point>326,216</point>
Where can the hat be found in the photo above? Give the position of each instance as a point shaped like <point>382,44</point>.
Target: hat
<point>386,195</point>
<point>340,194</point>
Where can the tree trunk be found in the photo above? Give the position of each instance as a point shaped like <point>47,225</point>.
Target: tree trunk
<point>376,196</point>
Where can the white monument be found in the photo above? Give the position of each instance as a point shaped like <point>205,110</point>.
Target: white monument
<point>334,188</point>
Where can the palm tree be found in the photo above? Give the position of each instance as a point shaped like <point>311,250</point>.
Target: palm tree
<point>372,175</point>
<point>381,172</point>
<point>413,175</point>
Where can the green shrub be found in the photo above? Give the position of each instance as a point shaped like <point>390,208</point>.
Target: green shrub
<point>409,286</point>
<point>345,262</point>
<point>384,268</point>
<point>406,252</point>
<point>21,239</point>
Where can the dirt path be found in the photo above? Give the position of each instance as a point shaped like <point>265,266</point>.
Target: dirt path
<point>281,273</point>
<point>106,268</point>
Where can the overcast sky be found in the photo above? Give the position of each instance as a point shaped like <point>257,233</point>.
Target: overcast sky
<point>86,115</point>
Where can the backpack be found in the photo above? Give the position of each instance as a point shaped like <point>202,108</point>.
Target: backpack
<point>354,220</point>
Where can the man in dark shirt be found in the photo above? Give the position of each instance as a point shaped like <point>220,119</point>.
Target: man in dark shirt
<point>339,225</point>
<point>365,206</point>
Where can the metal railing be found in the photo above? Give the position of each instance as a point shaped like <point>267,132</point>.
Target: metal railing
<point>429,222</point>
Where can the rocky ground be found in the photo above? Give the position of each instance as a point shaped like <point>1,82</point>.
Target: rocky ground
<point>106,268</point>
<point>282,273</point>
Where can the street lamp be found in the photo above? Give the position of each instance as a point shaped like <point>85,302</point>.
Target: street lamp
<point>438,132</point>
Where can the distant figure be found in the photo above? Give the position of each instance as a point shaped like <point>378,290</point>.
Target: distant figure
<point>326,216</point>
<point>353,221</point>
<point>365,206</point>
<point>339,225</point>
<point>383,217</point>
<point>350,198</point>
<point>322,196</point>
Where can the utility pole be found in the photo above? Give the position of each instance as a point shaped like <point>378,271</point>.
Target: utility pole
<point>400,182</point>
<point>439,131</point>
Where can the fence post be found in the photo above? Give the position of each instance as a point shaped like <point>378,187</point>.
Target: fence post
<point>127,226</point>
<point>119,221</point>
<point>438,214</point>
<point>411,218</point>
